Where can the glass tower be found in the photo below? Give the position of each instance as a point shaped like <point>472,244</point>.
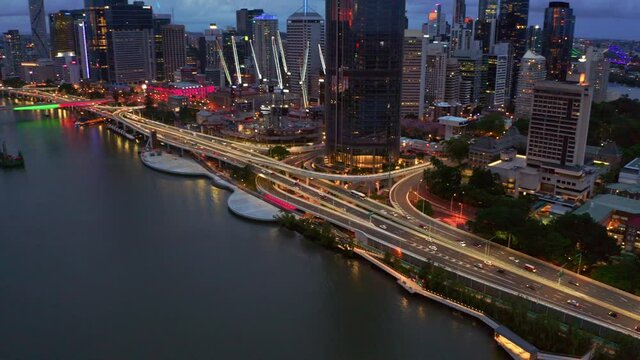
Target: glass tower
<point>364,67</point>
<point>559,23</point>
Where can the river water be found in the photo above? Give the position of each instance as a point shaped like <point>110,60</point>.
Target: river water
<point>103,258</point>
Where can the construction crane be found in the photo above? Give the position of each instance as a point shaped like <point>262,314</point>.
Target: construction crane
<point>235,59</point>
<point>324,67</point>
<point>284,60</point>
<point>255,61</point>
<point>303,76</point>
<point>224,63</point>
<point>277,62</point>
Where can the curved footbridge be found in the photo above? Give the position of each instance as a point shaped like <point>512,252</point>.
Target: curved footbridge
<point>240,202</point>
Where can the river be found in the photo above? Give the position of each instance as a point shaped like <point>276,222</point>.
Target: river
<point>103,258</point>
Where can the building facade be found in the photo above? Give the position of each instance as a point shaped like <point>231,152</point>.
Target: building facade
<point>13,54</point>
<point>559,24</point>
<point>305,40</point>
<point>174,48</point>
<point>487,9</point>
<point>265,28</point>
<point>532,69</point>
<point>244,21</point>
<point>414,42</point>
<point>512,25</point>
<point>364,80</point>
<point>39,36</point>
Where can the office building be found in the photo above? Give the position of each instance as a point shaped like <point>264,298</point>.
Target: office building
<point>364,81</point>
<point>534,39</point>
<point>64,32</point>
<point>435,66</point>
<point>485,34</point>
<point>130,43</point>
<point>459,11</point>
<point>452,82</point>
<point>532,69</point>
<point>38,71</point>
<point>559,24</point>
<point>244,21</point>
<point>305,37</point>
<point>159,21</point>
<point>13,54</point>
<point>174,48</point>
<point>38,28</point>
<point>598,73</point>
<point>512,25</point>
<point>213,70</point>
<point>437,24</point>
<point>95,28</point>
<point>497,76</point>
<point>414,42</point>
<point>470,62</point>
<point>559,124</point>
<point>265,27</point>
<point>487,10</point>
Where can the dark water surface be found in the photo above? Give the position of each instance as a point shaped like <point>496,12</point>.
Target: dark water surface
<point>102,258</point>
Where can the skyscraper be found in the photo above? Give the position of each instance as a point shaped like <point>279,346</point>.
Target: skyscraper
<point>497,78</point>
<point>598,74</point>
<point>459,11</point>
<point>559,23</point>
<point>64,35</point>
<point>532,69</point>
<point>534,39</point>
<point>265,27</point>
<point>174,48</point>
<point>13,52</point>
<point>213,39</point>
<point>414,43</point>
<point>435,76</point>
<point>437,23</point>
<point>487,9</point>
<point>244,21</point>
<point>364,76</point>
<point>559,124</point>
<point>130,43</point>
<point>512,25</point>
<point>305,31</point>
<point>160,20</point>
<point>38,28</point>
<point>96,31</point>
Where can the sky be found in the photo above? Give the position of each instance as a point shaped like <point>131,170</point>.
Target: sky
<point>594,18</point>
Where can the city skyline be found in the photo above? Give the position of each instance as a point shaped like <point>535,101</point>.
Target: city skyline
<point>598,19</point>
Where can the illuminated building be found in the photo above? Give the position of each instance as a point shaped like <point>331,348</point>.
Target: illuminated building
<point>512,25</point>
<point>13,52</point>
<point>38,71</point>
<point>96,31</point>
<point>160,20</point>
<point>244,21</point>
<point>532,69</point>
<point>191,91</point>
<point>63,31</point>
<point>497,75</point>
<point>364,80</point>
<point>265,27</point>
<point>174,48</point>
<point>459,11</point>
<point>305,29</point>
<point>559,24</point>
<point>487,10</point>
<point>414,44</point>
<point>437,23</point>
<point>38,28</point>
<point>534,39</point>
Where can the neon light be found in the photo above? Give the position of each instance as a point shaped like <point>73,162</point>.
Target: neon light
<point>37,107</point>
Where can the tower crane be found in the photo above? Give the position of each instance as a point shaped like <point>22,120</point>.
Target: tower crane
<point>255,61</point>
<point>224,63</point>
<point>235,59</point>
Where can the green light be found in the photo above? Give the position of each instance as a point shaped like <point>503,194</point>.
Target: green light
<point>37,107</point>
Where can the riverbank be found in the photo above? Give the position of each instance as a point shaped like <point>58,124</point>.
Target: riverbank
<point>239,202</point>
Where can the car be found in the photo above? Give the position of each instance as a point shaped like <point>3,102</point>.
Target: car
<point>462,243</point>
<point>573,303</point>
<point>637,328</point>
<point>409,217</point>
<point>383,211</point>
<point>432,247</point>
<point>514,259</point>
<point>574,283</point>
<point>531,287</point>
<point>423,226</point>
<point>500,270</point>
<point>613,314</point>
<point>383,226</point>
<point>478,265</point>
<point>394,214</point>
<point>478,245</point>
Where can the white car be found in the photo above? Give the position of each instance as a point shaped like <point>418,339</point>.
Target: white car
<point>383,226</point>
<point>573,303</point>
<point>462,243</point>
<point>432,247</point>
<point>487,262</point>
<point>514,259</point>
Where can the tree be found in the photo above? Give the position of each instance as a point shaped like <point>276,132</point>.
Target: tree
<point>492,124</point>
<point>68,89</point>
<point>443,181</point>
<point>590,238</point>
<point>485,180</point>
<point>425,207</point>
<point>522,125</point>
<point>457,149</point>
<point>623,274</point>
<point>14,82</point>
<point>278,152</point>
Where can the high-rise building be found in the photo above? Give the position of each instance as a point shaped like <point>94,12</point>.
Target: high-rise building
<point>532,69</point>
<point>487,9</point>
<point>497,75</point>
<point>435,76</point>
<point>598,74</point>
<point>534,39</point>
<point>512,25</point>
<point>130,43</point>
<point>437,23</point>
<point>174,48</point>
<point>13,52</point>
<point>559,124</point>
<point>214,72</point>
<point>305,34</point>
<point>485,33</point>
<point>414,43</point>
<point>559,24</point>
<point>160,20</point>
<point>470,61</point>
<point>38,28</point>
<point>64,34</point>
<point>459,11</point>
<point>244,21</point>
<point>364,80</point>
<point>265,27</point>
<point>452,82</point>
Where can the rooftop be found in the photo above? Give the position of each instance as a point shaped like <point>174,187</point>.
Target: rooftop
<point>520,161</point>
<point>630,188</point>
<point>602,205</point>
<point>633,165</point>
